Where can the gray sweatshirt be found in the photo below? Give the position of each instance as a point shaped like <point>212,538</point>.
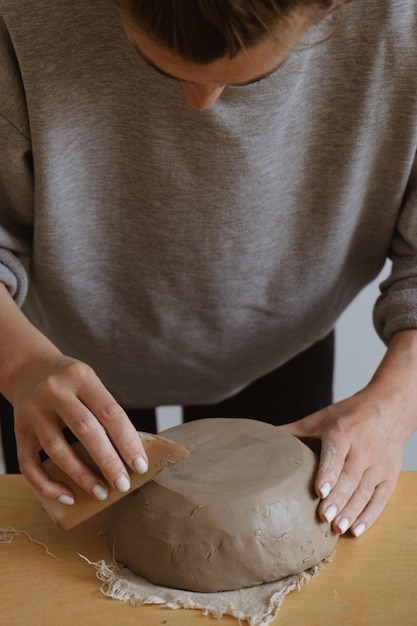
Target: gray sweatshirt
<point>183,253</point>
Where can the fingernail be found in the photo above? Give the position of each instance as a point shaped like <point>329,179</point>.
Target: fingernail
<point>140,465</point>
<point>325,490</point>
<point>122,483</point>
<point>99,492</point>
<point>330,513</point>
<point>358,530</point>
<point>68,500</point>
<point>343,525</point>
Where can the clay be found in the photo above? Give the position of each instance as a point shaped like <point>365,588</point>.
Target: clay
<point>238,512</point>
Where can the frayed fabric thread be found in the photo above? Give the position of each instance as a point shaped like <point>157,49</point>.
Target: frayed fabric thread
<point>7,535</point>
<point>258,606</point>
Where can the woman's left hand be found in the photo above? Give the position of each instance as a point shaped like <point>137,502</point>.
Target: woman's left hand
<point>362,440</point>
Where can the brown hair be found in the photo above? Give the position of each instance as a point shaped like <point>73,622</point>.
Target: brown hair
<point>205,30</point>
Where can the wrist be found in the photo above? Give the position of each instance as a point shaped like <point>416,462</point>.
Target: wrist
<point>395,380</point>
<point>22,346</point>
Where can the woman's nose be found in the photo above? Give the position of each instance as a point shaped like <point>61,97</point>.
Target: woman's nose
<point>200,96</point>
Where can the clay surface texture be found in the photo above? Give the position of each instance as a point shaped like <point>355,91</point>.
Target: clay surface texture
<point>238,512</point>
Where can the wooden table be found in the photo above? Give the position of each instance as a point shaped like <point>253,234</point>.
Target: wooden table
<point>372,580</point>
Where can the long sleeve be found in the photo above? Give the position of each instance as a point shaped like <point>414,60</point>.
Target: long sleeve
<point>396,307</point>
<point>16,176</point>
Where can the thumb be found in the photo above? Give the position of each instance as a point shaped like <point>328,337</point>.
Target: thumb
<point>305,427</point>
<point>304,431</point>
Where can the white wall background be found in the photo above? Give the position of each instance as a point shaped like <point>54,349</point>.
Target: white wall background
<point>358,352</point>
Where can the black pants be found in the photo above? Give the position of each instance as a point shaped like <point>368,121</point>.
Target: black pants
<point>300,387</point>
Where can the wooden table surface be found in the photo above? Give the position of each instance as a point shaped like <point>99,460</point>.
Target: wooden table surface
<point>372,580</point>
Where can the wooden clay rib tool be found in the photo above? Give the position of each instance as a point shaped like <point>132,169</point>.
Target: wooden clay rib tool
<point>162,453</point>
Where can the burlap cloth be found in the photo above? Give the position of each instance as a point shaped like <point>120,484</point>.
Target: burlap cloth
<point>257,605</point>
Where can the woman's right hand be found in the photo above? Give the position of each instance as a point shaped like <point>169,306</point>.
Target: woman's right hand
<point>49,391</point>
<point>66,392</point>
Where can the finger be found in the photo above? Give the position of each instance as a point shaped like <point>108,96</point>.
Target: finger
<point>303,428</point>
<point>28,449</point>
<point>118,426</point>
<point>365,506</point>
<point>335,449</point>
<point>350,481</point>
<point>362,494</point>
<point>373,510</point>
<point>31,467</point>
<point>51,439</point>
<point>32,470</point>
<point>65,457</point>
<point>93,436</point>
<point>84,385</point>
